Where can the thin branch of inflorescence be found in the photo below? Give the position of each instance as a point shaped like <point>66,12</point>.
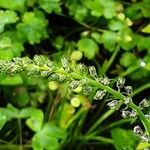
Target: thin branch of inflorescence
<point>80,75</point>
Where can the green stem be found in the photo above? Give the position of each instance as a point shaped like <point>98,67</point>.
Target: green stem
<point>97,138</point>
<point>100,120</point>
<point>82,110</point>
<point>20,133</point>
<point>142,117</point>
<point>129,71</point>
<point>111,60</point>
<point>114,124</point>
<point>140,89</point>
<point>13,146</point>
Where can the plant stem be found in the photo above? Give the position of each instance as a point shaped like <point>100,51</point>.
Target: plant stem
<point>20,133</point>
<point>13,146</point>
<point>140,89</point>
<point>141,116</point>
<point>100,120</point>
<point>116,123</point>
<point>82,110</point>
<point>97,138</point>
<point>106,67</point>
<point>129,71</point>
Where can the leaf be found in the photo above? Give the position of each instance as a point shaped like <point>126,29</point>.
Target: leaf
<point>35,120</point>
<point>50,5</point>
<point>128,59</point>
<point>7,17</point>
<point>109,8</point>
<point>79,15</point>
<point>95,6</point>
<point>88,47</point>
<point>13,4</point>
<point>10,45</point>
<point>146,29</point>
<point>52,130</point>
<point>97,37</point>
<point>41,142</point>
<point>33,27</point>
<point>124,139</point>
<point>3,119</point>
<point>115,25</point>
<point>143,146</point>
<point>48,137</point>
<point>31,3</point>
<point>11,80</point>
<point>109,39</point>
<point>6,114</point>
<point>142,42</point>
<point>127,41</point>
<point>21,96</point>
<point>100,7</point>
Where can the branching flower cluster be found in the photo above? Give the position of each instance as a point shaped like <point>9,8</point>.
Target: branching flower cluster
<point>87,78</point>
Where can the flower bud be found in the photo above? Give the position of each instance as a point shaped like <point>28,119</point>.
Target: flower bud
<point>92,71</point>
<point>99,95</point>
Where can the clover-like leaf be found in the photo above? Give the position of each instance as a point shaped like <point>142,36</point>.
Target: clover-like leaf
<point>79,15</point>
<point>50,5</point>
<point>109,39</point>
<point>7,17</point>
<point>33,27</point>
<point>88,46</point>
<point>98,8</point>
<point>6,114</point>
<point>13,4</point>
<point>48,138</point>
<point>123,139</point>
<point>128,59</point>
<point>10,45</point>
<point>35,118</point>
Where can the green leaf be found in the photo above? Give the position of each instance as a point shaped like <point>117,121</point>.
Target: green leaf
<point>3,119</point>
<point>109,8</point>
<point>97,37</point>
<point>88,46</point>
<point>142,42</point>
<point>127,41</point>
<point>143,146</point>
<point>146,29</point>
<point>35,120</point>
<point>21,96</point>
<point>52,130</point>
<point>13,4</point>
<point>7,17</point>
<point>100,7</point>
<point>11,80</point>
<point>33,27</point>
<point>128,59</point>
<point>50,5</point>
<point>79,15</point>
<point>124,139</point>
<point>10,45</point>
<point>6,114</point>
<point>95,6</point>
<point>41,142</point>
<point>48,137</point>
<point>109,39</point>
<point>31,2</point>
<point>115,25</point>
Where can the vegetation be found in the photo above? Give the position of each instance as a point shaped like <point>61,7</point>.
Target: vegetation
<point>74,74</point>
